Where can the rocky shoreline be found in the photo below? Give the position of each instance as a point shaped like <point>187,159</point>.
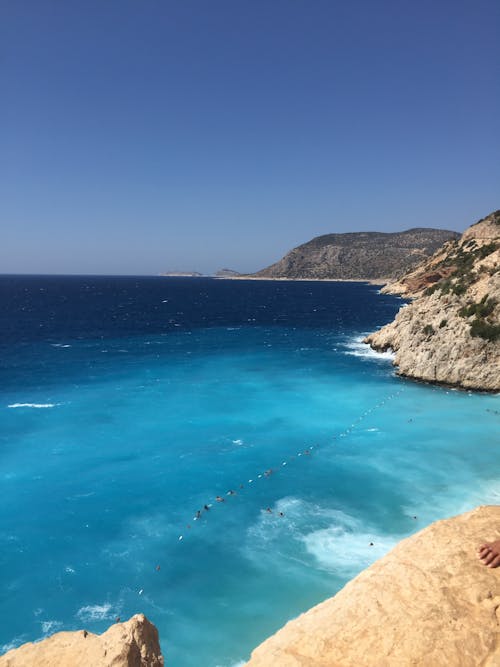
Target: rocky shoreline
<point>133,643</point>
<point>427,602</point>
<point>450,333</point>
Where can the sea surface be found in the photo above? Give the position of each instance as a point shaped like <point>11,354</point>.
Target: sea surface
<point>127,405</point>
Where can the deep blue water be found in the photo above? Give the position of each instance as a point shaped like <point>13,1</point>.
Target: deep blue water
<point>128,404</point>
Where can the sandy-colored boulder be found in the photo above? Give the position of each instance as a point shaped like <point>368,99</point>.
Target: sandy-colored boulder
<point>131,644</point>
<point>429,603</point>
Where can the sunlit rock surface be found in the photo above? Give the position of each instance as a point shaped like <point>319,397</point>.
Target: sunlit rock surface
<point>131,644</point>
<point>450,333</point>
<point>429,602</point>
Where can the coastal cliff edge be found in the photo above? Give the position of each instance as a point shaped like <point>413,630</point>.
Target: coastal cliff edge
<point>450,332</point>
<point>429,601</point>
<point>131,644</point>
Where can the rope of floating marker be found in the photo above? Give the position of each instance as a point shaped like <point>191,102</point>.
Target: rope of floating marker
<point>307,451</point>
<point>269,471</point>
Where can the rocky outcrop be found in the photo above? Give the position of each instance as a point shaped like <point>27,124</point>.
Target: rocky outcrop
<point>131,644</point>
<point>227,273</point>
<point>428,603</point>
<point>358,255</point>
<point>450,333</point>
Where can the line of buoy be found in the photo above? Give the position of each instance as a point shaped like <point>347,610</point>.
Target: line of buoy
<point>305,452</point>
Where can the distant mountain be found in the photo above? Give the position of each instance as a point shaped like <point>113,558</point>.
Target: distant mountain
<point>227,273</point>
<point>359,255</point>
<point>181,274</point>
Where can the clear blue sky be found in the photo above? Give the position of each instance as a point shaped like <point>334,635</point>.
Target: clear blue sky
<point>148,135</point>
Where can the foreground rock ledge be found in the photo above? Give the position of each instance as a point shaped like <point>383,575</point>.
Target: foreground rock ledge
<point>429,602</point>
<point>131,644</point>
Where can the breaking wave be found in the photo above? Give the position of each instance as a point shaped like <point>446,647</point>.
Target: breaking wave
<point>356,348</point>
<point>32,405</point>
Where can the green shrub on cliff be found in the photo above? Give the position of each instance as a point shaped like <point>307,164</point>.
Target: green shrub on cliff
<point>459,288</point>
<point>482,329</point>
<point>430,290</point>
<point>486,250</point>
<point>482,309</point>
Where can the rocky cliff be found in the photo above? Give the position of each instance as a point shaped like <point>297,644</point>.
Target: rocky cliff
<point>359,255</point>
<point>131,644</point>
<point>450,333</point>
<point>428,603</point>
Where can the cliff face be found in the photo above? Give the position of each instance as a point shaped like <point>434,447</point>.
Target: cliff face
<point>450,333</point>
<point>131,644</point>
<point>429,602</point>
<point>359,256</point>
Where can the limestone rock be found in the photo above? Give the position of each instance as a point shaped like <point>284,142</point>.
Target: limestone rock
<point>130,644</point>
<point>428,603</point>
<point>450,333</point>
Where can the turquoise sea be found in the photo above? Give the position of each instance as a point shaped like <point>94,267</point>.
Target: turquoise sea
<point>127,405</point>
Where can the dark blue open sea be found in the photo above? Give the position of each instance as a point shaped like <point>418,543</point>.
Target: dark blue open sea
<point>127,405</point>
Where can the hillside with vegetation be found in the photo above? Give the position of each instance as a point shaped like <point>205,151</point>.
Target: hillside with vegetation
<point>359,255</point>
<point>450,333</point>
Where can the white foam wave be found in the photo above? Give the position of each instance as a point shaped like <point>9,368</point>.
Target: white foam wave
<point>49,627</point>
<point>32,405</point>
<point>341,549</point>
<point>298,515</point>
<point>329,538</point>
<point>59,345</point>
<point>356,348</point>
<point>95,612</point>
<point>17,641</point>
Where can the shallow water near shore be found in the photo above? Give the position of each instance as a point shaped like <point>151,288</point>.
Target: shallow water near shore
<point>128,404</point>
